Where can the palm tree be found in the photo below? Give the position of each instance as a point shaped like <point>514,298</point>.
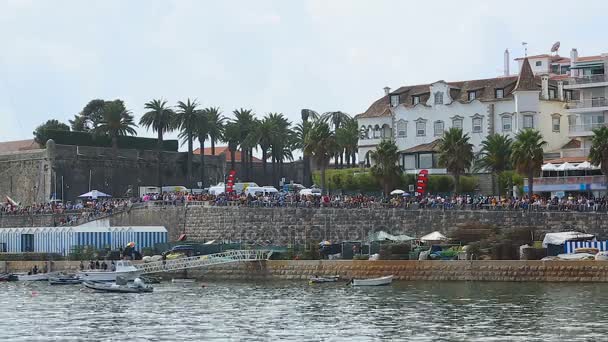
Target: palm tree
<point>337,119</point>
<point>320,144</point>
<point>598,155</point>
<point>186,122</point>
<point>495,155</point>
<point>308,116</point>
<point>280,142</point>
<point>527,154</point>
<point>232,135</point>
<point>116,121</point>
<point>216,121</point>
<point>455,153</point>
<point>263,134</point>
<point>348,138</point>
<point>385,168</point>
<point>161,119</point>
<point>245,118</point>
<point>202,132</point>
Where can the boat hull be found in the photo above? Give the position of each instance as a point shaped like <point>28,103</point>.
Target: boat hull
<point>105,287</point>
<point>64,281</point>
<point>319,280</point>
<point>107,276</point>
<point>373,282</point>
<point>33,277</point>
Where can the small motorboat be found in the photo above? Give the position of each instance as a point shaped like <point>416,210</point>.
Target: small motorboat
<point>373,281</point>
<point>149,279</point>
<point>124,268</point>
<point>35,277</point>
<point>8,277</point>
<point>120,286</point>
<point>330,279</point>
<point>64,280</point>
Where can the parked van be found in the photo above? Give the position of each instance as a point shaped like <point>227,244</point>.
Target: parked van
<point>258,190</point>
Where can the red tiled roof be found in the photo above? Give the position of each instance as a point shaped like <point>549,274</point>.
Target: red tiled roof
<point>223,150</point>
<point>573,143</point>
<point>18,145</point>
<point>526,80</point>
<point>534,57</point>
<point>566,160</point>
<point>430,147</point>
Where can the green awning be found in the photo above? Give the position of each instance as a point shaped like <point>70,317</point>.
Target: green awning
<point>587,65</point>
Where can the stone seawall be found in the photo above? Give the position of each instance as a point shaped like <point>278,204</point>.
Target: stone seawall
<point>403,270</point>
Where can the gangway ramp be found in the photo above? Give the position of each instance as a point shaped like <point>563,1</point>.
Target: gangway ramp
<point>204,261</point>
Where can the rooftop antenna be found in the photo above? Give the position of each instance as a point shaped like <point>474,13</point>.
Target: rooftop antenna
<point>555,47</point>
<point>525,45</point>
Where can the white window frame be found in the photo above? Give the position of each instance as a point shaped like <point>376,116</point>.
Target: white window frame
<point>438,132</point>
<point>531,118</point>
<point>394,100</point>
<point>472,95</point>
<point>551,93</point>
<point>401,128</point>
<point>503,123</point>
<point>539,63</point>
<point>556,122</point>
<point>473,125</point>
<point>438,96</point>
<point>502,93</point>
<point>458,119</point>
<point>415,100</point>
<point>421,123</point>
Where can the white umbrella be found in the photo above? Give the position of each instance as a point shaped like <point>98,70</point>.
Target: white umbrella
<point>434,236</point>
<point>397,192</point>
<point>548,167</point>
<point>584,166</point>
<point>94,194</point>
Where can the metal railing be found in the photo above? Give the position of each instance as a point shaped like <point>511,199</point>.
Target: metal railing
<point>588,103</point>
<point>203,261</point>
<point>585,127</point>
<point>589,79</point>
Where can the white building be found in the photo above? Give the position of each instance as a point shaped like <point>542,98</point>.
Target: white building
<point>416,116</point>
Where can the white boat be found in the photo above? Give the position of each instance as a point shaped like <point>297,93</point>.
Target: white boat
<point>182,280</point>
<point>35,277</point>
<point>330,279</point>
<point>124,268</point>
<point>373,282</point>
<point>121,286</point>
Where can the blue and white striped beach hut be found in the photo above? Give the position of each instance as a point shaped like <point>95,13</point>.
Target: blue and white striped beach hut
<point>61,240</point>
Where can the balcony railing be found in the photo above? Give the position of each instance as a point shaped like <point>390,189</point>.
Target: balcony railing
<point>567,180</point>
<point>585,127</point>
<point>589,79</point>
<point>589,103</point>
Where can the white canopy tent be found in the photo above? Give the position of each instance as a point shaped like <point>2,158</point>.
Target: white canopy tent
<point>566,167</point>
<point>383,236</point>
<point>562,237</point>
<point>434,236</point>
<point>94,194</point>
<point>549,167</point>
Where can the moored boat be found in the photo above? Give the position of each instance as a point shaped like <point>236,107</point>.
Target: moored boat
<point>330,279</point>
<point>64,280</point>
<point>35,277</point>
<point>124,268</point>
<point>8,277</point>
<point>373,281</point>
<point>137,286</point>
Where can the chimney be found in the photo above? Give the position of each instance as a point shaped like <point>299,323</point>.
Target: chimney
<point>544,87</point>
<point>573,58</point>
<point>387,90</point>
<point>560,90</point>
<point>507,62</point>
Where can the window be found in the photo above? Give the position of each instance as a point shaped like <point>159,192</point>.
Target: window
<point>568,94</point>
<point>425,161</point>
<point>420,128</point>
<point>27,243</point>
<point>457,123</point>
<point>539,63</point>
<point>500,93</point>
<point>555,123</point>
<point>551,93</point>
<point>394,100</point>
<point>363,132</point>
<point>472,95</point>
<point>528,121</point>
<point>555,68</point>
<point>438,98</point>
<point>565,69</point>
<point>401,128</point>
<point>415,100</point>
<point>506,123</point>
<point>438,128</point>
<point>476,125</point>
<point>409,161</point>
<point>377,132</point>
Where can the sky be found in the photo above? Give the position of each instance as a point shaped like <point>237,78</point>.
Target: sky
<point>269,56</point>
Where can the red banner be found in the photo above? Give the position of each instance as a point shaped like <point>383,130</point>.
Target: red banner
<point>230,181</point>
<point>421,182</point>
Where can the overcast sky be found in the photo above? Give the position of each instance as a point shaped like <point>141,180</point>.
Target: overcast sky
<point>271,56</point>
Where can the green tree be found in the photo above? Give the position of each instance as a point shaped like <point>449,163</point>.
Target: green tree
<point>232,135</point>
<point>215,121</point>
<point>495,155</point>
<point>320,144</point>
<point>264,131</point>
<point>348,138</point>
<point>93,111</point>
<point>385,167</point>
<point>116,121</point>
<point>41,132</point>
<point>245,120</point>
<point>161,119</point>
<point>598,155</point>
<point>527,154</point>
<point>186,121</point>
<point>281,142</point>
<point>337,119</point>
<point>308,117</point>
<point>202,132</point>
<point>455,153</point>
<point>80,123</point>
